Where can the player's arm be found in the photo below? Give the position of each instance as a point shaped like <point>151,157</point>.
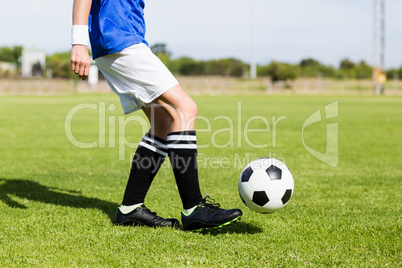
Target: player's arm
<point>80,60</point>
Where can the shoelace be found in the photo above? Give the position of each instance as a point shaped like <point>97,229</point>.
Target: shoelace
<point>157,218</point>
<point>148,210</point>
<point>209,202</point>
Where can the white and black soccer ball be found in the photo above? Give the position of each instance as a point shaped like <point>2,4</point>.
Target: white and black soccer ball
<point>266,185</point>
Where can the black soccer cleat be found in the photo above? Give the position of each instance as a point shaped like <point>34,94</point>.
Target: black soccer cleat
<point>144,217</point>
<point>209,215</point>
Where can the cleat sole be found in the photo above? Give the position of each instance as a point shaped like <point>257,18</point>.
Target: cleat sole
<point>216,227</point>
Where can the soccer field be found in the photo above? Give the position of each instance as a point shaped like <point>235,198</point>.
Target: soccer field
<point>65,162</point>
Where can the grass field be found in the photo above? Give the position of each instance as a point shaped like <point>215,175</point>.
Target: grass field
<point>57,201</point>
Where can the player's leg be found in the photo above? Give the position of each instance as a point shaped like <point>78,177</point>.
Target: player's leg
<point>182,146</point>
<point>182,150</point>
<point>148,159</point>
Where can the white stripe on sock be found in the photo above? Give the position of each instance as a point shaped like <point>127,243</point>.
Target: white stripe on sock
<point>182,146</point>
<point>182,138</point>
<point>152,148</point>
<point>164,146</point>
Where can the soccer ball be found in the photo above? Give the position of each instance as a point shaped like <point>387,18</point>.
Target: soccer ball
<point>266,185</point>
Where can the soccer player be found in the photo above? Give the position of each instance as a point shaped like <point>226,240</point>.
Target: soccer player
<point>141,80</point>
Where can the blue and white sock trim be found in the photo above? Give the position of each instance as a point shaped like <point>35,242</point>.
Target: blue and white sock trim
<point>154,144</point>
<point>182,140</point>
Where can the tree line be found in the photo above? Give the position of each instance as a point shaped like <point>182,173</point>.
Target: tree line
<point>59,66</point>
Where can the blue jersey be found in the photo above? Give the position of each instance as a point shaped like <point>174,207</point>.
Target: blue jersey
<point>115,25</point>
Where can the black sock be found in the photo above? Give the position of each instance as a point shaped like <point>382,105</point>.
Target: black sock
<point>182,151</point>
<point>148,158</point>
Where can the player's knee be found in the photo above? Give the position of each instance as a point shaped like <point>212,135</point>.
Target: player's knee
<point>192,109</point>
<point>185,114</point>
<point>185,111</point>
<point>190,114</point>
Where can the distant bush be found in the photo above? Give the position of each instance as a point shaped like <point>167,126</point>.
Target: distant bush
<point>394,73</point>
<point>279,71</point>
<point>10,54</point>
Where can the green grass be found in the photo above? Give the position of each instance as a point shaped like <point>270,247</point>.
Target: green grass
<point>57,201</point>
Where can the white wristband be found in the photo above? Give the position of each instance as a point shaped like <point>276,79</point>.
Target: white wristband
<point>79,35</point>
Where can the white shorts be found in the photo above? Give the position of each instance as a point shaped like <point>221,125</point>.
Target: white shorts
<point>136,75</point>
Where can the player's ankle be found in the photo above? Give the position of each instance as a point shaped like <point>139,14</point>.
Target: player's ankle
<point>127,209</point>
<point>187,212</point>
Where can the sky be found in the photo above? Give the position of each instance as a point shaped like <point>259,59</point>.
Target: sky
<point>285,31</point>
